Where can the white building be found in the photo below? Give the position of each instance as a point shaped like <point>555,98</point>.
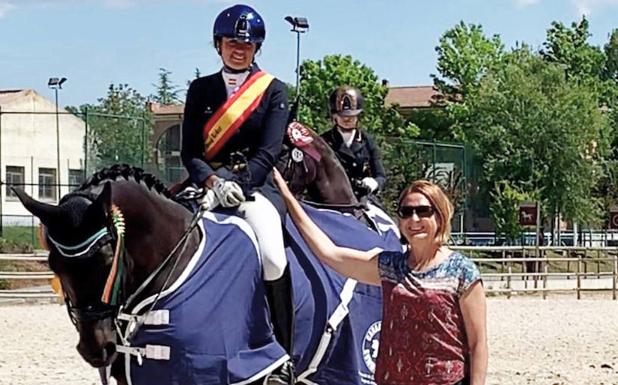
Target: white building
<point>28,153</point>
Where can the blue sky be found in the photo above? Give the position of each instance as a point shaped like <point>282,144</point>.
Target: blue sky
<point>97,42</point>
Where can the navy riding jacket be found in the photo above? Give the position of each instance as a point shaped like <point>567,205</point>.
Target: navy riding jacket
<point>259,139</point>
<point>362,159</point>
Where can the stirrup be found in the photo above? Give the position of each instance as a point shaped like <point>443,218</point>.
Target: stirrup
<point>283,375</point>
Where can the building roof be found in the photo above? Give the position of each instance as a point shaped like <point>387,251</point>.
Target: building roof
<point>9,96</point>
<point>412,97</point>
<point>166,109</point>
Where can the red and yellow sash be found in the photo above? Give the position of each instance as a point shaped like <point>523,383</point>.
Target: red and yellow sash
<point>234,112</point>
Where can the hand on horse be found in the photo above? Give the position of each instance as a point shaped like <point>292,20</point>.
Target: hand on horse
<point>208,201</point>
<point>281,184</point>
<point>370,183</point>
<point>228,193</point>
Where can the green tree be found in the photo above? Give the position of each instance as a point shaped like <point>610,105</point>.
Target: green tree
<point>570,48</point>
<point>119,127</point>
<point>318,79</point>
<point>465,54</point>
<point>167,92</point>
<point>540,133</point>
<point>611,57</point>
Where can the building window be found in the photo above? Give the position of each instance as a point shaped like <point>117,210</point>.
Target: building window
<point>47,184</point>
<point>14,177</point>
<point>76,178</point>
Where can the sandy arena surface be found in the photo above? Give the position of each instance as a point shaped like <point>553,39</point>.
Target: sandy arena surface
<point>532,341</point>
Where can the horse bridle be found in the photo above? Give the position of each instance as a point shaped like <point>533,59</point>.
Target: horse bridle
<point>113,234</point>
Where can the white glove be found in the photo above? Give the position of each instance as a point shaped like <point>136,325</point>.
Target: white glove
<point>209,201</point>
<point>229,194</point>
<point>370,183</point>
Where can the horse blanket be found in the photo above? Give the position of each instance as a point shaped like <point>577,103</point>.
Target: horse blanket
<point>212,325</point>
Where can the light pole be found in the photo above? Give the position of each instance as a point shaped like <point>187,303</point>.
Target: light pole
<point>299,25</point>
<point>56,84</point>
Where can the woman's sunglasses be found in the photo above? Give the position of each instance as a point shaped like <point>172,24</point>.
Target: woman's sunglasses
<point>405,212</point>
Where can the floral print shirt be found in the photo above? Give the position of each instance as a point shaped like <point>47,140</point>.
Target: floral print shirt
<point>423,338</point>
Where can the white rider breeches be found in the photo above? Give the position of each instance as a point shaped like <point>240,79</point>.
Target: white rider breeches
<point>263,217</point>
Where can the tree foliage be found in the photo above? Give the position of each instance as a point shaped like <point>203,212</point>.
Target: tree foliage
<point>119,127</point>
<point>611,56</point>
<point>570,48</point>
<point>318,79</point>
<point>540,133</point>
<point>166,91</point>
<point>465,54</point>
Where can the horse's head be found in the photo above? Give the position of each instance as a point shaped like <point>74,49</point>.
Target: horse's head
<point>102,254</point>
<point>311,166</point>
<point>81,239</point>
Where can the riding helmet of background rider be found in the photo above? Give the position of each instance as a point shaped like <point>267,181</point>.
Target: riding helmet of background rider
<point>355,148</point>
<point>241,23</point>
<point>346,101</point>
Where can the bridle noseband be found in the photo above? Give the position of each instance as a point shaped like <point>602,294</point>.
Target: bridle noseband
<point>112,234</point>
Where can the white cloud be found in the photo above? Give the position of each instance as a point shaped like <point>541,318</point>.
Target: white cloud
<point>5,7</point>
<point>586,7</point>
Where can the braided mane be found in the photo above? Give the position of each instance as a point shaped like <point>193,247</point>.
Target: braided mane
<point>126,171</point>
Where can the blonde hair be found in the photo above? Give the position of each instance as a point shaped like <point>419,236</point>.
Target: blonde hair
<point>440,203</point>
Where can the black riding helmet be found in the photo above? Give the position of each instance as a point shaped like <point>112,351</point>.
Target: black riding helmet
<point>346,101</point>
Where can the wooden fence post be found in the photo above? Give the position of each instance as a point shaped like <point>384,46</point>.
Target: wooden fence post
<point>545,271</point>
<point>615,276</point>
<point>508,277</point>
<point>579,278</point>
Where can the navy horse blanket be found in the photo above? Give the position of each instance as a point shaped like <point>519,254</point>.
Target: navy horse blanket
<point>212,325</point>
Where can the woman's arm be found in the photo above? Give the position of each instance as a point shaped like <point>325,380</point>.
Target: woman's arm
<point>359,265</point>
<point>474,310</point>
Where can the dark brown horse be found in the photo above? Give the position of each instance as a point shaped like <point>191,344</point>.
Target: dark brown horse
<point>119,240</point>
<point>314,174</point>
<point>153,224</point>
<point>312,169</point>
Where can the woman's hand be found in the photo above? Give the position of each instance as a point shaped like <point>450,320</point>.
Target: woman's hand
<point>282,185</point>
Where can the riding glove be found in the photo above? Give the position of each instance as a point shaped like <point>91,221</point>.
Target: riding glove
<point>229,194</point>
<point>370,183</point>
<point>208,201</point>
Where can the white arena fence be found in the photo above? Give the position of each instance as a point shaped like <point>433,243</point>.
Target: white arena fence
<point>506,270</point>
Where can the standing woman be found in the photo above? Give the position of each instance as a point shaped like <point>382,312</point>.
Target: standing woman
<point>233,128</point>
<point>434,311</point>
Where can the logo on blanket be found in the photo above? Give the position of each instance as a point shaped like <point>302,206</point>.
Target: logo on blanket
<point>371,343</point>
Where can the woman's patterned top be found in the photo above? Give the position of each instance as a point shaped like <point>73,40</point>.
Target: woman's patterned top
<point>423,338</point>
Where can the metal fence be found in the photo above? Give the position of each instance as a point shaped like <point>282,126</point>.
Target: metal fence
<point>505,270</point>
<point>48,154</point>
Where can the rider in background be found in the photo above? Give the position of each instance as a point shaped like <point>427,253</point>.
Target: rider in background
<point>233,128</point>
<point>355,148</point>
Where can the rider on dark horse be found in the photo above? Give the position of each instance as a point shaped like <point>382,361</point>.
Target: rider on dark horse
<point>355,148</point>
<point>233,129</point>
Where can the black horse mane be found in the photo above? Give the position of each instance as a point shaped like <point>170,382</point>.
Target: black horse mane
<point>126,171</point>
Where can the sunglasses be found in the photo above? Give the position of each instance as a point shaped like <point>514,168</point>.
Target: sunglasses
<point>405,212</point>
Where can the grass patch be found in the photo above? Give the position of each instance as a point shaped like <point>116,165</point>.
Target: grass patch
<point>19,240</point>
<point>20,235</point>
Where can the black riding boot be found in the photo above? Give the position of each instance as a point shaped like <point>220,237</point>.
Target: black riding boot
<point>280,296</point>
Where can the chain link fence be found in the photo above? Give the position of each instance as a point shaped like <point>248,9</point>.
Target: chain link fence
<point>49,154</point>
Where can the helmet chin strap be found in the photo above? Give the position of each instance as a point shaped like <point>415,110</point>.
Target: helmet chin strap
<point>345,128</point>
<point>231,70</point>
